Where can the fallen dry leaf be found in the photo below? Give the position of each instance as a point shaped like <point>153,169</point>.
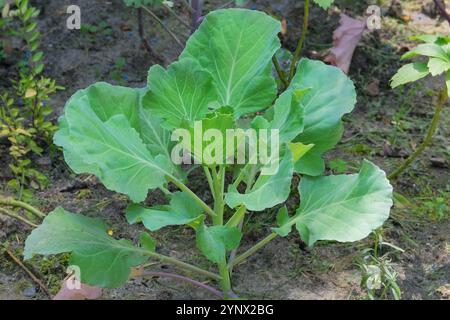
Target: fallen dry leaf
<point>345,40</point>
<point>125,27</point>
<point>70,290</point>
<point>373,88</point>
<point>30,93</point>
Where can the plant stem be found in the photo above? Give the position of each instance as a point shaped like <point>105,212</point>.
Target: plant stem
<point>434,122</point>
<point>15,203</point>
<point>226,280</point>
<point>181,264</point>
<point>241,176</point>
<point>154,16</point>
<point>210,181</point>
<point>219,206</point>
<point>298,51</point>
<point>196,283</point>
<point>219,203</point>
<point>280,72</point>
<point>16,216</point>
<point>243,210</point>
<point>234,252</point>
<point>165,191</point>
<point>237,217</point>
<point>252,250</point>
<point>189,192</point>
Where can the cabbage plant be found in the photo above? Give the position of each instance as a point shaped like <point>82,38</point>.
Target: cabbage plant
<point>222,81</point>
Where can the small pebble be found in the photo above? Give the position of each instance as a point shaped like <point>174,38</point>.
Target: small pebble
<point>29,292</point>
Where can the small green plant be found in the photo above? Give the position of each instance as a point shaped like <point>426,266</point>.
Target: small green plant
<point>378,274</point>
<point>24,111</point>
<point>435,206</point>
<point>102,29</point>
<point>117,73</point>
<point>223,81</point>
<point>437,50</point>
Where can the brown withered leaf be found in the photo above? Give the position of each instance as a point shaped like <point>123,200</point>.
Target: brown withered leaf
<point>345,40</point>
<point>373,88</point>
<point>70,291</point>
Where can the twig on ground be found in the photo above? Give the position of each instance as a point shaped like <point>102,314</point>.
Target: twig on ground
<point>166,28</point>
<point>176,16</point>
<point>30,274</point>
<point>440,5</point>
<point>16,216</point>
<point>15,203</point>
<point>144,41</point>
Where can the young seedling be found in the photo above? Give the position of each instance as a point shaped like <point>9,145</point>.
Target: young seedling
<point>223,78</point>
<point>437,50</point>
<point>325,4</point>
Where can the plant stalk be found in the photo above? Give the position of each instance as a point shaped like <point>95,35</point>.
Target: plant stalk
<point>234,252</point>
<point>252,250</point>
<point>219,203</point>
<point>243,210</point>
<point>210,181</point>
<point>181,264</point>
<point>280,72</point>
<point>225,282</point>
<point>189,192</point>
<point>434,123</point>
<point>165,191</point>
<point>219,206</point>
<point>15,203</point>
<point>301,42</point>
